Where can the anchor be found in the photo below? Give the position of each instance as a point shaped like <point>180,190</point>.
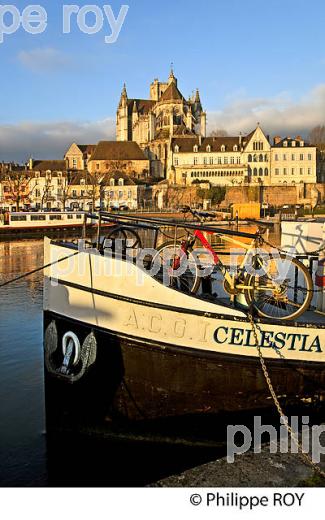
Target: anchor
<point>68,359</point>
<point>77,358</point>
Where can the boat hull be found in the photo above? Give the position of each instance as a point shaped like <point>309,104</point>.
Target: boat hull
<point>134,380</point>
<point>148,352</point>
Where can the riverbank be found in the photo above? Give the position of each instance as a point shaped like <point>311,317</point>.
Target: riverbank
<point>251,470</point>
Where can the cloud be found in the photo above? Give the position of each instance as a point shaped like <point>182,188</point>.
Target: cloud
<point>49,140</point>
<point>277,115</point>
<point>43,60</point>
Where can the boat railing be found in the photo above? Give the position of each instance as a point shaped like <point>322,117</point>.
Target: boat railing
<point>160,222</point>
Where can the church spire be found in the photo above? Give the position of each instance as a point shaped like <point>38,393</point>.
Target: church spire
<point>197,96</point>
<point>172,78</point>
<point>124,96</point>
<point>124,92</point>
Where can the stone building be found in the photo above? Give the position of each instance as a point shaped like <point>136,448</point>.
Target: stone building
<point>48,181</point>
<point>293,162</point>
<point>107,191</point>
<point>222,161</point>
<point>78,155</point>
<point>152,123</point>
<point>112,156</point>
<point>245,160</point>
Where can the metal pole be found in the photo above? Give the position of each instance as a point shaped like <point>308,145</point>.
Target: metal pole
<point>99,230</point>
<point>84,227</point>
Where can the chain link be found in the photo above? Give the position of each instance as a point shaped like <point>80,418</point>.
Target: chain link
<point>304,456</point>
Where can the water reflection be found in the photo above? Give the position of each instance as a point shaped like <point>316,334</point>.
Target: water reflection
<point>27,458</point>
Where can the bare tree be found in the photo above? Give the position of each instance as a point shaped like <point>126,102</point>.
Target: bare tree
<point>16,187</point>
<point>317,137</point>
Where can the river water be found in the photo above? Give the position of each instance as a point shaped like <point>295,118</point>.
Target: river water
<point>27,458</point>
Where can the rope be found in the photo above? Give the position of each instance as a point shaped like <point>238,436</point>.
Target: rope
<point>304,456</point>
<point>36,270</point>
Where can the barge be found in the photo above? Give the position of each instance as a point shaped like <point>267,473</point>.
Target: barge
<point>121,347</point>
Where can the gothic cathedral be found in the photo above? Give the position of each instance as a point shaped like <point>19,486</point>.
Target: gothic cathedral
<point>152,123</point>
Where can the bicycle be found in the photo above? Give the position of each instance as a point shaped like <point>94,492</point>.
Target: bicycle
<point>263,279</point>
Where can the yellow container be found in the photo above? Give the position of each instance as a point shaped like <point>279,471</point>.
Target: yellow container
<point>250,210</point>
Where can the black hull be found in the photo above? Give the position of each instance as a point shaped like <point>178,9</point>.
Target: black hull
<point>135,382</point>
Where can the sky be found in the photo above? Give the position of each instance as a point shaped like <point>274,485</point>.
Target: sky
<point>253,61</point>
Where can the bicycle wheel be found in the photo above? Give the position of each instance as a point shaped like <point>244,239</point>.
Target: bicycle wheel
<point>178,269</point>
<point>283,292</point>
<point>130,237</point>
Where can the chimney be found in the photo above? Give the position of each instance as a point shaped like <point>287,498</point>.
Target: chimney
<point>200,140</point>
<point>30,163</point>
<point>277,139</point>
<point>240,139</point>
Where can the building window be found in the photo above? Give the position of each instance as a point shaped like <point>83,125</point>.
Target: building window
<point>176,149</point>
<point>121,182</point>
<point>97,166</point>
<point>120,194</point>
<point>211,160</point>
<point>74,163</point>
<point>301,156</point>
<point>284,171</point>
<point>195,148</point>
<point>309,171</point>
<point>176,161</point>
<point>309,157</point>
<point>258,145</point>
<point>112,182</point>
<point>205,160</point>
<point>301,171</point>
<point>195,161</point>
<point>208,148</point>
<point>235,148</point>
<point>293,143</point>
<point>129,194</point>
<point>284,157</point>
<point>292,171</point>
<point>293,157</point>
<point>111,195</point>
<point>219,160</point>
<point>285,144</point>
<point>250,158</point>
<point>223,148</point>
<point>232,160</point>
<point>225,161</point>
<point>266,172</point>
<point>301,143</point>
<point>276,157</point>
<point>238,160</point>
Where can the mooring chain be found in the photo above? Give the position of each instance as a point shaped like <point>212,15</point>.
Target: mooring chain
<point>304,456</point>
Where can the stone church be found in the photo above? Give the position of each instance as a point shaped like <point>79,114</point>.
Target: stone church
<point>154,122</point>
